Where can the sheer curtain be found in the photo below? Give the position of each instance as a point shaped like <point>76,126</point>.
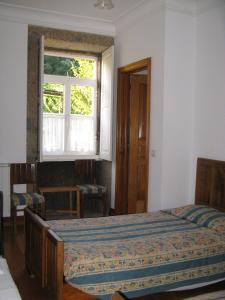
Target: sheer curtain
<point>53,134</point>
<point>80,137</point>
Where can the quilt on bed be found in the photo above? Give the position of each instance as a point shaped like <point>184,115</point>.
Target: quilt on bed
<point>139,254</point>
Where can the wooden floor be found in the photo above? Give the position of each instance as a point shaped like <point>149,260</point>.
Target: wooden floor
<point>31,290</point>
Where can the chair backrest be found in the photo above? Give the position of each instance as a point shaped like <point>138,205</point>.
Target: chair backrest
<point>23,173</point>
<point>84,171</point>
<point>55,173</point>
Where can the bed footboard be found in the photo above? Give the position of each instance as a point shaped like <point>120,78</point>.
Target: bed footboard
<point>54,265</point>
<point>44,254</point>
<point>35,245</point>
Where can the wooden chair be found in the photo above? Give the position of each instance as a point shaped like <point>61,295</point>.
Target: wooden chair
<point>85,179</point>
<point>23,173</point>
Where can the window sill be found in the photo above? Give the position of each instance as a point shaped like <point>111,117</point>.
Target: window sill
<point>68,157</point>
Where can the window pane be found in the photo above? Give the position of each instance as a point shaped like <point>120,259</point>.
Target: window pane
<point>82,100</point>
<point>53,95</point>
<point>54,65</point>
<point>73,67</point>
<point>84,68</point>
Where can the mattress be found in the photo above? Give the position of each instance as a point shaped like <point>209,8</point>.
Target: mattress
<point>139,254</point>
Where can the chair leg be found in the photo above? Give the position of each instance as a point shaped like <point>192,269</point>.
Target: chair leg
<point>104,204</point>
<point>42,208</point>
<point>81,205</point>
<point>13,218</point>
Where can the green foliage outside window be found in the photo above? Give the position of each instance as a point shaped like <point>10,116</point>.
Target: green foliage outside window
<point>81,97</point>
<point>73,67</point>
<point>53,98</point>
<point>83,68</point>
<point>81,100</point>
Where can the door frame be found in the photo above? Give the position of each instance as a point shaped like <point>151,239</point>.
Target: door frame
<point>122,132</point>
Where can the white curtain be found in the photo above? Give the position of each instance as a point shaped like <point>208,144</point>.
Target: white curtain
<point>82,137</point>
<point>53,133</point>
<point>71,135</point>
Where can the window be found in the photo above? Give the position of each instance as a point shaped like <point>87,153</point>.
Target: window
<point>69,106</point>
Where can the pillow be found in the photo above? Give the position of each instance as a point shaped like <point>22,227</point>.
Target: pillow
<point>201,215</point>
<point>218,224</point>
<point>184,212</point>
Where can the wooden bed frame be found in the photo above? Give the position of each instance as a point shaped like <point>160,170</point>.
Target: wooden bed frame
<point>44,250</point>
<point>210,183</point>
<point>44,254</point>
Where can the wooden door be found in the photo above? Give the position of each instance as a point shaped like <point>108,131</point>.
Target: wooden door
<point>137,156</point>
<point>132,137</point>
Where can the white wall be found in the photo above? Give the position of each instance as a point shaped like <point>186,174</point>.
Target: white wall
<point>210,93</point>
<point>209,138</point>
<point>137,40</point>
<point>178,108</point>
<point>13,87</point>
<point>168,37</point>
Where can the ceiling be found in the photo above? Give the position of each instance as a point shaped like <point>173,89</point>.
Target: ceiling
<point>83,8</point>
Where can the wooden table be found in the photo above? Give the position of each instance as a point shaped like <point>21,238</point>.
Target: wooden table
<point>63,189</point>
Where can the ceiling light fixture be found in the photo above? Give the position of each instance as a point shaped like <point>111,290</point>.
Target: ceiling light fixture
<point>104,4</point>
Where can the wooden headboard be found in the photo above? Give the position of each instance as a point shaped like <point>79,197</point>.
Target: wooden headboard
<point>210,183</point>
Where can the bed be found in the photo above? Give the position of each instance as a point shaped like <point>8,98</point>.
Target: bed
<point>137,254</point>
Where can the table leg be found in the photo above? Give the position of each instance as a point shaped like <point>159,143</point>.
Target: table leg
<point>71,204</point>
<point>78,203</point>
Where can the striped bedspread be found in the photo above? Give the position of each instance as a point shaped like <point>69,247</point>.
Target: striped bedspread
<point>139,254</point>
